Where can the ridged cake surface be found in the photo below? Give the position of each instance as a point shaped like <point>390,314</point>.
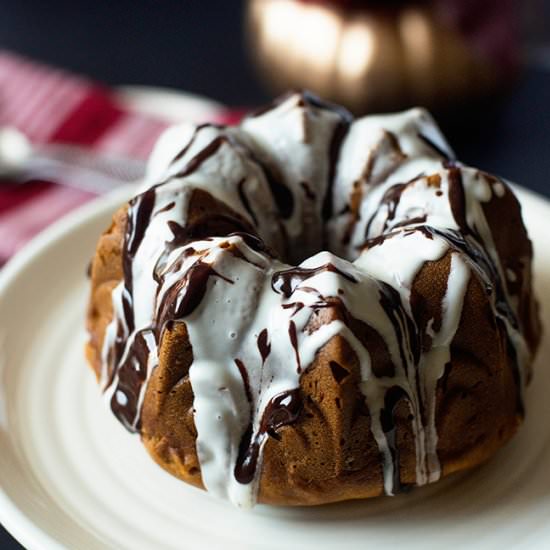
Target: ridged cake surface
<point>307,308</point>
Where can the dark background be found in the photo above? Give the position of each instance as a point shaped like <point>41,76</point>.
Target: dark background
<point>199,46</point>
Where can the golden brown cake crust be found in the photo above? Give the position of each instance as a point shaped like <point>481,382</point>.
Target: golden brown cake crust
<point>396,357</point>
<point>329,454</point>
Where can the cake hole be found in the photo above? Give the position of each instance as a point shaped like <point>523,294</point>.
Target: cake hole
<point>338,402</point>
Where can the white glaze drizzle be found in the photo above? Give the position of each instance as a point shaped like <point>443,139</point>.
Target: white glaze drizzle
<point>239,303</point>
<point>432,363</point>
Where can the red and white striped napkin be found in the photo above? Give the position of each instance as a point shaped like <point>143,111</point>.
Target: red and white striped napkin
<point>50,105</point>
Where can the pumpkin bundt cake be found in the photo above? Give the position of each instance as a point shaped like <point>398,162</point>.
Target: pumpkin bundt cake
<point>307,308</point>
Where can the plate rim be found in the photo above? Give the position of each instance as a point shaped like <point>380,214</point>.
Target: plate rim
<point>13,518</point>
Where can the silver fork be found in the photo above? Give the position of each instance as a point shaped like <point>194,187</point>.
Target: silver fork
<point>70,165</point>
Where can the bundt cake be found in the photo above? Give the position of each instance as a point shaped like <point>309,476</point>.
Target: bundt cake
<point>305,308</point>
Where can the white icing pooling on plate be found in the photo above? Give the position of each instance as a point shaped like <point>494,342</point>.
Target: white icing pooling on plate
<point>237,301</point>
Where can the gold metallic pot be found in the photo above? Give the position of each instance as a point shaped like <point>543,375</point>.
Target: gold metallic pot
<point>369,56</point>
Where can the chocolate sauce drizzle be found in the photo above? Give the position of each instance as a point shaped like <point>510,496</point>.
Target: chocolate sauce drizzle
<point>139,215</point>
<point>253,242</point>
<point>285,282</point>
<point>264,346</point>
<point>245,201</point>
<point>433,146</point>
<point>194,164</point>
<point>393,397</point>
<point>390,200</point>
<point>306,99</point>
<point>469,244</point>
<point>282,410</point>
<point>131,373</point>
<point>294,342</point>
<point>457,199</point>
<point>198,128</point>
<point>338,136</point>
<point>186,294</point>
<point>127,362</point>
<point>199,230</point>
<point>308,191</point>
<point>282,195</point>
<point>404,327</point>
<point>246,380</point>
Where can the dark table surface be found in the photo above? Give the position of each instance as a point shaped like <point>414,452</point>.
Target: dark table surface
<point>199,47</point>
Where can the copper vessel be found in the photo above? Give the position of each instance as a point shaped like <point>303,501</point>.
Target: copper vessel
<point>374,56</point>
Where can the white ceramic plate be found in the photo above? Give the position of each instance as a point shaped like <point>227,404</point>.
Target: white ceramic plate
<point>72,477</point>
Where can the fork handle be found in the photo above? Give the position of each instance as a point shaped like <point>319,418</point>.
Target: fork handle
<point>122,168</point>
<point>75,176</point>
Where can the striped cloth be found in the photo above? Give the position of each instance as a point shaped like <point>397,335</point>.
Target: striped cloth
<point>50,105</point>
